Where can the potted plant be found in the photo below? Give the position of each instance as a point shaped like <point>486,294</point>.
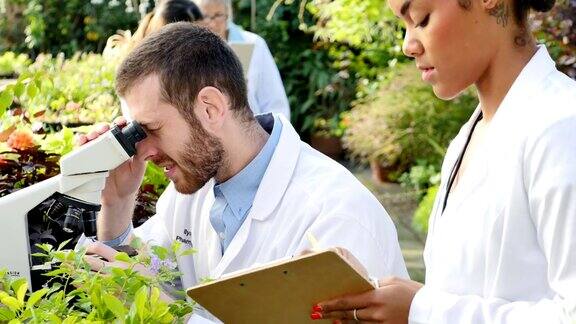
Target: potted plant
<point>327,135</point>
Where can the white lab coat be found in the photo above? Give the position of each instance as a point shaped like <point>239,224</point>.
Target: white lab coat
<point>504,250</point>
<point>302,191</point>
<point>265,88</point>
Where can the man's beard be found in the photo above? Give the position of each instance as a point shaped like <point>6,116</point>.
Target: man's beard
<point>201,160</point>
<point>202,157</point>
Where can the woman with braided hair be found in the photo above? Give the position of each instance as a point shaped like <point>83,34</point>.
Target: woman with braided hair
<point>501,246</point>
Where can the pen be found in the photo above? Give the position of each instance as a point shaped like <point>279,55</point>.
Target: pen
<point>315,246</point>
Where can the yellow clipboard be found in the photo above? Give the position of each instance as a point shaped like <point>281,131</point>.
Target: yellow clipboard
<point>280,292</point>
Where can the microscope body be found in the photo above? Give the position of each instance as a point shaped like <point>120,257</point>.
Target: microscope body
<point>74,192</point>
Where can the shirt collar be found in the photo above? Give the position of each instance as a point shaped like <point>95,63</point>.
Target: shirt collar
<point>240,190</point>
<point>235,33</point>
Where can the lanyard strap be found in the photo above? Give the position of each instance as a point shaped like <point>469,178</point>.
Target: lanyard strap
<point>458,163</point>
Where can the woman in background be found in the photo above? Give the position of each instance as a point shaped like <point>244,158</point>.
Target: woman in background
<point>167,11</point>
<point>265,88</point>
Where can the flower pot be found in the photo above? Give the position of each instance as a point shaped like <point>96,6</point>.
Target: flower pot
<point>330,146</point>
<point>380,174</point>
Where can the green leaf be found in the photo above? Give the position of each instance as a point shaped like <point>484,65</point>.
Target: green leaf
<point>31,90</point>
<point>140,301</point>
<point>45,247</point>
<point>118,272</point>
<point>15,285</point>
<point>6,314</point>
<point>136,243</point>
<point>55,272</point>
<point>176,247</point>
<point>11,302</point>
<point>161,252</point>
<point>6,98</point>
<point>70,320</point>
<point>123,256</point>
<point>54,319</point>
<point>19,88</point>
<point>21,292</point>
<point>188,252</point>
<point>114,305</point>
<point>154,296</point>
<point>14,321</point>
<point>63,244</point>
<point>60,255</point>
<point>35,297</point>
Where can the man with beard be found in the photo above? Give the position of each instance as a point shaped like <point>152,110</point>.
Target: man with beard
<point>244,189</point>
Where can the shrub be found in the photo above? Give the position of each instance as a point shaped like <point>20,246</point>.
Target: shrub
<point>405,123</point>
<point>322,76</point>
<point>12,64</point>
<point>55,26</point>
<point>422,213</point>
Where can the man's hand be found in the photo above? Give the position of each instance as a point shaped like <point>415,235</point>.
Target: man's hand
<point>388,304</point>
<point>121,188</point>
<point>109,255</point>
<point>124,181</point>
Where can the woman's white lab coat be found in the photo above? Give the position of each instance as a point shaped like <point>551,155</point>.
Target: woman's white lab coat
<point>504,250</point>
<point>266,92</point>
<point>302,191</point>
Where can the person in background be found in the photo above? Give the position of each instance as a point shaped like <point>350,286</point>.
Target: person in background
<point>501,246</point>
<point>167,11</point>
<point>265,88</point>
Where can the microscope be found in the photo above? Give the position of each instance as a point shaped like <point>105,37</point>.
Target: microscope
<point>70,199</point>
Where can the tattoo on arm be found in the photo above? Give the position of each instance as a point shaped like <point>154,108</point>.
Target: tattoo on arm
<point>500,11</point>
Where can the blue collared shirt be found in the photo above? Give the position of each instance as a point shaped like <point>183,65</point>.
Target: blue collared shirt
<point>235,33</point>
<point>234,198</point>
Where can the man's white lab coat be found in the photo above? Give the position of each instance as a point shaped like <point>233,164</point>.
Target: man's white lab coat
<point>504,250</point>
<point>302,191</point>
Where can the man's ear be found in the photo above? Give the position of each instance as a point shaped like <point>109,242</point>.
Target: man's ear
<point>212,107</point>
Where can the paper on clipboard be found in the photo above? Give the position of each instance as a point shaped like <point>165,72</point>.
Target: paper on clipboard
<point>281,292</point>
<point>244,52</point>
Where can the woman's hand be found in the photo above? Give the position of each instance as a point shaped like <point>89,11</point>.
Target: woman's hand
<point>388,304</point>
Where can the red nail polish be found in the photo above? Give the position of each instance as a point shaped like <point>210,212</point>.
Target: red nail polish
<point>317,308</point>
<point>316,316</point>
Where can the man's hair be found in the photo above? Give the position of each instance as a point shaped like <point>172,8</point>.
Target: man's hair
<point>186,59</point>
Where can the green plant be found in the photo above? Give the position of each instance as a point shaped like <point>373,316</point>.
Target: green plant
<point>12,64</point>
<point>405,122</point>
<point>54,26</point>
<point>79,90</point>
<point>75,293</point>
<point>422,213</point>
<point>420,176</point>
<point>321,77</point>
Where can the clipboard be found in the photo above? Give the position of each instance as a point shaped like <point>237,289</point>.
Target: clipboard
<point>282,292</point>
<point>244,53</point>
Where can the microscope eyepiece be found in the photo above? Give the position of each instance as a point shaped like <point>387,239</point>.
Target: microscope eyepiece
<point>129,136</point>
